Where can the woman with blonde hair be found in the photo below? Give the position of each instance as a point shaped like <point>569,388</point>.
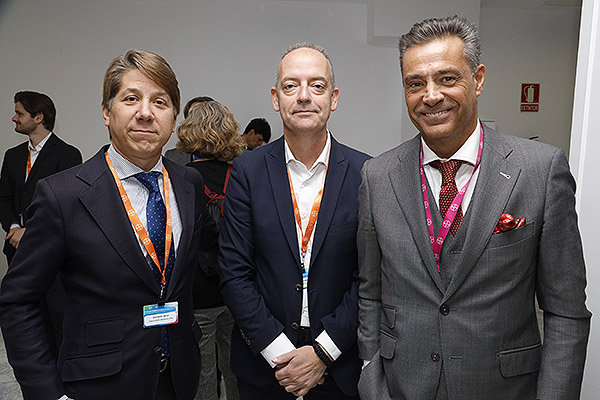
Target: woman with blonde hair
<point>211,134</point>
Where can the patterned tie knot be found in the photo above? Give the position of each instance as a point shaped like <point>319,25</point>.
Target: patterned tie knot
<point>149,180</point>
<point>448,169</point>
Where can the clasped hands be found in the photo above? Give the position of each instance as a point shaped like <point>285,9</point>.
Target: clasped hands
<point>14,236</point>
<point>299,370</point>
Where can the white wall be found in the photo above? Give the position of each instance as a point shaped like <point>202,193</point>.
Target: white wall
<point>227,49</point>
<point>530,46</point>
<point>585,146</point>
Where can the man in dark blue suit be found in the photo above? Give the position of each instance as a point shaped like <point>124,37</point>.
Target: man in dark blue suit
<point>288,246</point>
<point>105,228</point>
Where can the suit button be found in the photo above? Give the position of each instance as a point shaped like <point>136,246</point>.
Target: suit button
<point>157,350</point>
<point>444,309</point>
<point>435,357</point>
<point>295,325</point>
<point>298,288</point>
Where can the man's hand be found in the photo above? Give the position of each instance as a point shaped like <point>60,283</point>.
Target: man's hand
<point>14,236</point>
<point>299,370</point>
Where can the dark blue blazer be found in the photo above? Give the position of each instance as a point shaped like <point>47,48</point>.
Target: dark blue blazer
<point>79,230</point>
<point>261,279</point>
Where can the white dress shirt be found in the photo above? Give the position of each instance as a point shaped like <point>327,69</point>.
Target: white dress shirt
<point>467,152</point>
<point>138,195</point>
<point>34,151</point>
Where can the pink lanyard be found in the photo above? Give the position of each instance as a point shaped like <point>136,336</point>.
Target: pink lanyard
<point>436,244</point>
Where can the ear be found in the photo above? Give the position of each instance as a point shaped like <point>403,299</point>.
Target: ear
<point>174,123</point>
<point>275,99</point>
<point>479,77</point>
<point>38,118</point>
<point>334,98</point>
<point>105,116</point>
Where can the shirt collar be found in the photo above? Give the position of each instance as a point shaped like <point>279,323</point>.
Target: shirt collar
<point>467,152</point>
<point>40,144</point>
<point>321,160</point>
<point>125,168</point>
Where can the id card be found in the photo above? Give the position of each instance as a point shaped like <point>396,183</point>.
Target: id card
<point>155,315</point>
<point>305,280</point>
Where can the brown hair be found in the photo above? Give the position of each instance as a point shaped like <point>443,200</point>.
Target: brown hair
<point>210,131</point>
<point>150,64</point>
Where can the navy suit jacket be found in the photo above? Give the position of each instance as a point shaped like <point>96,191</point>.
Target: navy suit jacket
<point>15,192</point>
<point>261,279</point>
<point>79,229</point>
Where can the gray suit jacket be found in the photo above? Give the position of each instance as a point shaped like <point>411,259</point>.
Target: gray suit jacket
<point>476,331</point>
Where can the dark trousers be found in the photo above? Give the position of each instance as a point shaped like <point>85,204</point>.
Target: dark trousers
<point>274,391</point>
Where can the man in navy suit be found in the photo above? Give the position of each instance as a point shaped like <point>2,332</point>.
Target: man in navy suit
<point>288,246</point>
<point>105,228</point>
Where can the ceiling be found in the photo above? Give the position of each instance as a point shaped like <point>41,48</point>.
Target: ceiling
<point>530,3</point>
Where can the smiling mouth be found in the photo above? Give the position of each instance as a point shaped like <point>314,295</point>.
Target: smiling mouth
<point>437,114</point>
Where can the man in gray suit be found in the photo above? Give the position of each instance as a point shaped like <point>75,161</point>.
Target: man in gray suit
<point>446,298</point>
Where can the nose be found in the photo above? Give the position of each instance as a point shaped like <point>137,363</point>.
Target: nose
<point>432,95</point>
<point>303,94</point>
<point>14,118</point>
<point>145,111</point>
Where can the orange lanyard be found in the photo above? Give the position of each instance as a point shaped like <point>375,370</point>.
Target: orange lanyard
<point>137,224</point>
<point>314,213</point>
<point>28,163</point>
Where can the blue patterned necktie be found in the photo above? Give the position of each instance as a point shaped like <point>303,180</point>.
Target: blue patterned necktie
<point>156,222</point>
<point>156,213</point>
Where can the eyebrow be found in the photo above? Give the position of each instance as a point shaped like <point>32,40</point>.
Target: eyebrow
<point>445,71</point>
<point>138,91</point>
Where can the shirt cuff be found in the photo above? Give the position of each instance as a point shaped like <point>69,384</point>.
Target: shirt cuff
<point>64,397</point>
<point>15,225</point>
<point>325,341</point>
<point>279,346</point>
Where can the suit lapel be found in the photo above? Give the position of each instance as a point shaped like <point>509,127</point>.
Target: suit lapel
<point>496,180</point>
<point>103,202</point>
<point>277,173</point>
<point>185,195</point>
<point>336,172</point>
<point>406,184</point>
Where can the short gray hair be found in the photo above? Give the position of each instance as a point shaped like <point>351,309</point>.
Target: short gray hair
<point>432,29</point>
<point>307,45</point>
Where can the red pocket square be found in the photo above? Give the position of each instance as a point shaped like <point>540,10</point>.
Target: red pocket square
<point>508,223</point>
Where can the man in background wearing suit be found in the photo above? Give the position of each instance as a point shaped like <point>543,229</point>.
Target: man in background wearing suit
<point>122,231</point>
<point>42,155</point>
<point>292,285</point>
<point>256,133</point>
<point>448,277</point>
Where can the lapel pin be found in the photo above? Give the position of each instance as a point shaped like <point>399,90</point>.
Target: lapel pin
<point>507,176</point>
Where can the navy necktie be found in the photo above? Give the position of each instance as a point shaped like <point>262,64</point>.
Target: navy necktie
<point>156,222</point>
<point>156,213</point>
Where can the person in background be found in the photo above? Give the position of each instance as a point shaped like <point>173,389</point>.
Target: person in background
<point>257,132</point>
<point>210,134</point>
<point>175,154</point>
<point>42,155</point>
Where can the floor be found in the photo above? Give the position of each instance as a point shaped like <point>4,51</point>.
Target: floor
<point>9,389</point>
